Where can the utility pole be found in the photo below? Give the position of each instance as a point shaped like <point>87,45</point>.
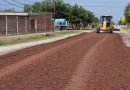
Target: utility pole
<point>45,14</point>
<point>54,6</point>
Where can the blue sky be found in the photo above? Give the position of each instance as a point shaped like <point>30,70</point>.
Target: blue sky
<point>98,7</point>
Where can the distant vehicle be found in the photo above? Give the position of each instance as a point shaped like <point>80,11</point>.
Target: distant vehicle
<point>105,24</point>
<point>61,24</point>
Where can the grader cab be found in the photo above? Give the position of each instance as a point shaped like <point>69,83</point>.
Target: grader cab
<point>105,24</point>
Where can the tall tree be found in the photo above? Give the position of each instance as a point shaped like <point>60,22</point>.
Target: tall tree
<point>75,14</point>
<point>127,13</point>
<point>122,21</point>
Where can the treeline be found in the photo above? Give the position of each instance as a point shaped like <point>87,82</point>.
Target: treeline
<point>127,14</point>
<point>126,19</point>
<point>75,14</point>
<point>11,10</point>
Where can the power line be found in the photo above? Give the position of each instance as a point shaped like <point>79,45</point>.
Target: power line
<point>18,2</point>
<point>29,1</point>
<point>109,2</point>
<point>12,3</point>
<point>21,3</point>
<point>104,6</point>
<point>4,4</point>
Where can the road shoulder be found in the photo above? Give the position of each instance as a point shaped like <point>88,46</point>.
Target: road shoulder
<point>126,37</point>
<point>12,48</point>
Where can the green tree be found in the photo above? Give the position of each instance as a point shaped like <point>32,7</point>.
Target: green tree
<point>122,21</point>
<point>127,13</point>
<point>75,18</point>
<point>75,14</point>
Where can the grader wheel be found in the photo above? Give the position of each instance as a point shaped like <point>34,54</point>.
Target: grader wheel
<point>111,29</point>
<point>98,30</point>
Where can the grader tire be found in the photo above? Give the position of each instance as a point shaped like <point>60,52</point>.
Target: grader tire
<point>111,29</point>
<point>98,30</point>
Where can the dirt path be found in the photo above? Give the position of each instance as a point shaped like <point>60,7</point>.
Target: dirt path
<point>85,62</point>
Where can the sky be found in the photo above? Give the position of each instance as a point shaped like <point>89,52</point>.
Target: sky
<point>98,7</point>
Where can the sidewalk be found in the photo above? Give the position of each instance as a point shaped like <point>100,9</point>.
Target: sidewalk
<point>12,48</point>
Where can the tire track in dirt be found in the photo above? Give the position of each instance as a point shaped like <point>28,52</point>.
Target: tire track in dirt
<point>89,62</point>
<point>79,78</point>
<point>110,69</point>
<point>19,55</point>
<point>30,60</point>
<point>107,69</point>
<point>52,70</point>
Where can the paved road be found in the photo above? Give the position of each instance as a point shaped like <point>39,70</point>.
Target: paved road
<point>84,62</point>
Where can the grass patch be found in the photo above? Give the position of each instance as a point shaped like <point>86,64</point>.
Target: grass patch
<point>9,40</point>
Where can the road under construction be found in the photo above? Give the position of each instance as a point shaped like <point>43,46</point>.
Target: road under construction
<point>88,61</point>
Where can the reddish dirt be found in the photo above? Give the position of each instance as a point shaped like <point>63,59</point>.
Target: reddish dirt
<point>84,62</point>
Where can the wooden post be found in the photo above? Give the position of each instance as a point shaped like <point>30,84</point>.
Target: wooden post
<point>54,7</point>
<point>45,22</point>
<point>26,23</point>
<point>6,19</point>
<point>17,24</point>
<point>36,26</point>
<point>51,22</point>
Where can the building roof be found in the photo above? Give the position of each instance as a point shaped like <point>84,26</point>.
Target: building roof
<point>14,14</point>
<point>22,14</point>
<point>107,15</point>
<point>39,13</point>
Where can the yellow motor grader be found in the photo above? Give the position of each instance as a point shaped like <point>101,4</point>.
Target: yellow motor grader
<point>105,24</point>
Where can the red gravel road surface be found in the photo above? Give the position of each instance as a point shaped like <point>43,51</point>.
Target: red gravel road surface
<point>88,61</point>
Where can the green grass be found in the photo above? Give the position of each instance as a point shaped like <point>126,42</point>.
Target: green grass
<point>9,40</point>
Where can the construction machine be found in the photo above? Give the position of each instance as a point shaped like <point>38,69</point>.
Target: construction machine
<point>105,24</point>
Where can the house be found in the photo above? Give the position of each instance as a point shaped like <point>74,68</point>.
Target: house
<point>23,23</point>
